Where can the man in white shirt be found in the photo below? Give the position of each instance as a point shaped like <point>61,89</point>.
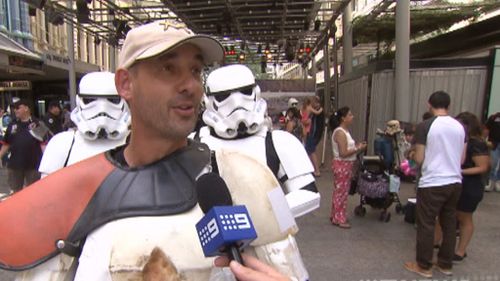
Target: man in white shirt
<point>440,150</point>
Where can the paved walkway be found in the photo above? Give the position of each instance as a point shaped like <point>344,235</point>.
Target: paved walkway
<point>374,250</point>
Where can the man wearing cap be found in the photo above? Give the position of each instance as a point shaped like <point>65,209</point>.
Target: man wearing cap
<point>25,149</point>
<point>116,207</point>
<point>53,118</point>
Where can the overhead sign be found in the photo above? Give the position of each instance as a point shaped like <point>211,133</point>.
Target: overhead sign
<point>15,86</point>
<point>25,62</point>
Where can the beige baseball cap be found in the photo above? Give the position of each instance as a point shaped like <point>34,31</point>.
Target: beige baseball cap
<point>157,37</point>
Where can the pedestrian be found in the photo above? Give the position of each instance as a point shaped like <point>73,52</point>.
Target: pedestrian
<point>493,126</point>
<point>25,149</point>
<point>475,165</point>
<point>294,123</point>
<point>53,119</point>
<point>344,154</point>
<point>439,150</point>
<point>313,137</point>
<point>113,208</point>
<point>67,122</point>
<point>2,112</point>
<point>293,102</point>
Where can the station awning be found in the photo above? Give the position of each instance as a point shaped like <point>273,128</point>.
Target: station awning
<point>11,47</point>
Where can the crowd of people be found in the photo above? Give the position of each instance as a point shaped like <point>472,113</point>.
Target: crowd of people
<point>130,131</point>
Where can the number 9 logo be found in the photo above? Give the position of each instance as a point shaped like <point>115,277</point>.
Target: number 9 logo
<point>213,229</point>
<point>242,221</point>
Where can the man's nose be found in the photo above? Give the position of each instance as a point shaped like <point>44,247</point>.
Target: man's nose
<point>189,83</point>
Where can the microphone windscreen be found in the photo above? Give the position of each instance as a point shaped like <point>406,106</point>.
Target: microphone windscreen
<point>212,191</point>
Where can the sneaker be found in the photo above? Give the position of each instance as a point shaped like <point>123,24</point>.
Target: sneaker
<point>414,267</point>
<point>489,186</point>
<point>445,271</point>
<point>459,259</point>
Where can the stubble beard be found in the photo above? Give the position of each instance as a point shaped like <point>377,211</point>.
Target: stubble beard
<point>176,128</point>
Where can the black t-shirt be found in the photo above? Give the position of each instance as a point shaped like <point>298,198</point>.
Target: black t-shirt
<point>54,123</point>
<point>475,147</point>
<point>493,125</point>
<point>25,151</point>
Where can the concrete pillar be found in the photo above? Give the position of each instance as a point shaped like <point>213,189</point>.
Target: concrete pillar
<point>71,57</point>
<point>313,70</point>
<point>112,58</point>
<point>402,78</point>
<point>347,38</point>
<point>335,68</point>
<point>326,68</point>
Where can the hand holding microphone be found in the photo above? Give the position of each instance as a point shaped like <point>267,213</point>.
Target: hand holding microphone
<point>253,270</point>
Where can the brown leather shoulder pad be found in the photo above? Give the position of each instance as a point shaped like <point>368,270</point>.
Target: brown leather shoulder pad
<point>34,218</point>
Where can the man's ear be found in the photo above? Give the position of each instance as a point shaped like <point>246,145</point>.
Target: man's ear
<point>123,83</point>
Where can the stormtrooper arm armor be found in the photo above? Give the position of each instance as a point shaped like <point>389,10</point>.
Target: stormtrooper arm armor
<point>296,173</point>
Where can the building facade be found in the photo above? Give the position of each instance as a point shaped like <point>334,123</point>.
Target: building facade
<point>34,53</point>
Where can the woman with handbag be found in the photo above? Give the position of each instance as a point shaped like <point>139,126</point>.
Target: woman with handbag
<point>344,154</point>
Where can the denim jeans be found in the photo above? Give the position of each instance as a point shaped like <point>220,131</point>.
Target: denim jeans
<point>495,164</point>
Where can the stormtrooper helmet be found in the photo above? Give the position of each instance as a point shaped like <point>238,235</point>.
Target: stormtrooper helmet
<point>293,102</point>
<point>100,112</point>
<point>234,107</point>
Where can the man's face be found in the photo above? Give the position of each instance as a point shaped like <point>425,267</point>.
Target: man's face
<point>167,91</point>
<point>56,110</point>
<point>21,111</point>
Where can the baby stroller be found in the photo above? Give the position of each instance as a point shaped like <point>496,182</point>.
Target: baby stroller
<point>376,187</point>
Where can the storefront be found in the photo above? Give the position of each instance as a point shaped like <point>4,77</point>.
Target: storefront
<point>17,66</point>
<point>38,78</point>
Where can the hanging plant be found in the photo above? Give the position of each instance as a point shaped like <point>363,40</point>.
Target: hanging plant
<point>367,29</point>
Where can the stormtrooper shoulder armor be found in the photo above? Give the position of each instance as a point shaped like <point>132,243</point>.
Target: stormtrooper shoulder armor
<point>296,173</point>
<point>292,155</point>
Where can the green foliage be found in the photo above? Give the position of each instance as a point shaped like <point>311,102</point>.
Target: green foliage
<point>367,29</point>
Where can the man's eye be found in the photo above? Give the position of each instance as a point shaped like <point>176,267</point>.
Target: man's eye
<point>197,71</point>
<point>168,68</point>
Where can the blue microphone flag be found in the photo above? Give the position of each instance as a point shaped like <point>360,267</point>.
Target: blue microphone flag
<point>225,226</point>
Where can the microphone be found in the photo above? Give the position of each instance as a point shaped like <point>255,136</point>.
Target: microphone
<point>225,229</point>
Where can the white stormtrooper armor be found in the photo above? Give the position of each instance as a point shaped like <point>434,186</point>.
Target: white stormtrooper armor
<point>102,118</point>
<point>72,146</point>
<point>121,244</point>
<point>235,117</point>
<point>117,250</point>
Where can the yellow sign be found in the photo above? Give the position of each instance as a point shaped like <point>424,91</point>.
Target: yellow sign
<point>15,86</point>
